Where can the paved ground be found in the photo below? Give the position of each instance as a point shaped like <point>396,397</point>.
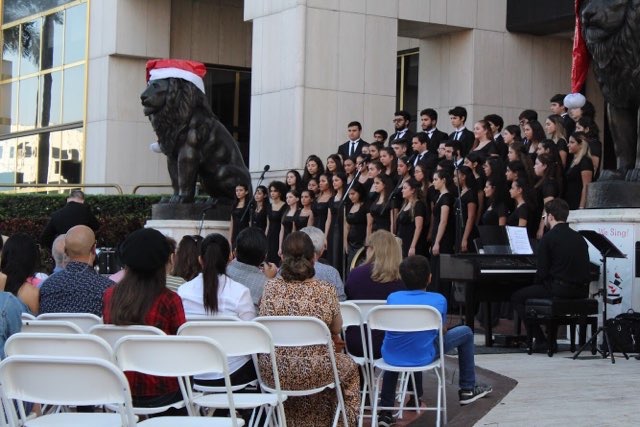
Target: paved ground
<point>559,391</point>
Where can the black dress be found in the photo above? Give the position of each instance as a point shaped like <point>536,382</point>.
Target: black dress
<point>273,234</point>
<point>407,228</point>
<point>240,221</point>
<point>448,239</point>
<point>334,254</point>
<point>573,182</point>
<point>287,224</point>
<point>300,221</point>
<point>259,218</point>
<point>381,213</point>
<point>469,196</point>
<point>492,214</point>
<point>320,213</point>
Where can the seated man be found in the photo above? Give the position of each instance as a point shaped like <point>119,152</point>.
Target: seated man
<point>421,348</point>
<point>323,271</point>
<point>77,288</point>
<point>563,265</point>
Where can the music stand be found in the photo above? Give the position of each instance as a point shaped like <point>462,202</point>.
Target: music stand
<point>607,250</point>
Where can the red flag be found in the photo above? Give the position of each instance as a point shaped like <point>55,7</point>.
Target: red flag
<point>580,55</point>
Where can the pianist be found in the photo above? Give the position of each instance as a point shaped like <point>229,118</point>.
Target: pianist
<point>563,265</point>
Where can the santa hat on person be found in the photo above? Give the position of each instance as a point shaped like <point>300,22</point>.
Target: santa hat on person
<point>579,65</point>
<point>191,71</point>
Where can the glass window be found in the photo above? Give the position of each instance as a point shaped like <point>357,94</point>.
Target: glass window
<point>73,156</point>
<point>27,160</point>
<point>28,103</point>
<point>7,162</point>
<point>18,9</point>
<point>73,96</point>
<point>8,107</point>
<point>75,33</point>
<point>50,88</point>
<point>10,52</point>
<point>30,47</point>
<point>407,85</point>
<point>52,40</point>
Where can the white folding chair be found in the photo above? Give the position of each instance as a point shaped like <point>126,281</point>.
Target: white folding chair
<point>408,318</point>
<point>302,331</point>
<point>351,316</point>
<point>112,333</point>
<point>60,345</point>
<point>180,357</point>
<point>27,316</point>
<point>365,305</point>
<point>240,338</point>
<point>204,317</point>
<point>84,320</point>
<point>50,327</point>
<point>67,381</point>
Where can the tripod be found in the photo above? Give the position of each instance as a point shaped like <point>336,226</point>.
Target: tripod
<point>607,250</point>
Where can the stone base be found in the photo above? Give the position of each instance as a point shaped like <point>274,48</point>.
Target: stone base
<point>613,194</point>
<point>180,228</point>
<point>191,211</point>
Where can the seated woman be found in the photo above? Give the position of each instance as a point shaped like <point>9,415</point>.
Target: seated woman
<point>213,292</point>
<point>142,298</point>
<point>374,280</point>
<point>297,293</point>
<point>186,262</point>
<point>20,259</point>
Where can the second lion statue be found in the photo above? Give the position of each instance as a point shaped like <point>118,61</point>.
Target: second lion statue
<point>195,142</point>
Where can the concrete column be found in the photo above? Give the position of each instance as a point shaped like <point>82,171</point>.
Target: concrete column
<point>316,65</point>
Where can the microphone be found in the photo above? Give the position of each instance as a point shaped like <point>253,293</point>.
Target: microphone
<point>366,158</point>
<point>265,170</point>
<point>213,205</point>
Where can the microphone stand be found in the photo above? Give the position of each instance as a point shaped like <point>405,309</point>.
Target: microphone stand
<point>204,213</point>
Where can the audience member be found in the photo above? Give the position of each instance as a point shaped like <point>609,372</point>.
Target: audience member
<point>11,309</point>
<point>324,272</point>
<point>420,348</point>
<point>142,298</point>
<point>57,253</point>
<point>249,267</point>
<point>212,293</point>
<point>186,264</point>
<point>173,282</point>
<point>78,288</point>
<point>298,293</point>
<point>374,280</point>
<point>20,260</point>
<point>75,212</point>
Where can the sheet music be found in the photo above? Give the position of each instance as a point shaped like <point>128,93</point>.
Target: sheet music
<point>519,240</point>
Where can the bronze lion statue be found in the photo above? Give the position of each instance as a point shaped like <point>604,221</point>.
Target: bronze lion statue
<point>193,139</point>
<point>611,29</point>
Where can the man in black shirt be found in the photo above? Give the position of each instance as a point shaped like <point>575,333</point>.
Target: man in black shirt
<point>563,264</point>
<point>75,212</point>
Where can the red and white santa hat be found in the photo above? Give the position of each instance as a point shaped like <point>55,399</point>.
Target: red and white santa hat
<point>191,71</point>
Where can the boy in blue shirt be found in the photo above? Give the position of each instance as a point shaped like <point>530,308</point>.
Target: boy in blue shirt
<point>420,348</point>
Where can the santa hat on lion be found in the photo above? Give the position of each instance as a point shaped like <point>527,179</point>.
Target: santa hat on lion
<point>191,71</point>
<point>579,65</point>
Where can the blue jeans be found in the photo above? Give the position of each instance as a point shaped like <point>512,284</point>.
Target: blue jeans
<point>460,337</point>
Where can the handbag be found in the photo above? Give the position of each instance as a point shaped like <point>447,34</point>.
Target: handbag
<point>624,332</point>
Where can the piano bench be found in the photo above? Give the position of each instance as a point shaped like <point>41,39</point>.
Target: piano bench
<point>557,312</point>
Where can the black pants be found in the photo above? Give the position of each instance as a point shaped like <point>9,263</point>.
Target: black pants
<point>556,290</point>
<point>243,375</point>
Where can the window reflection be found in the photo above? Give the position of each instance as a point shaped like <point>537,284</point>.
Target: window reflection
<point>8,107</point>
<point>10,48</point>
<point>73,97</point>
<point>50,88</point>
<point>18,9</point>
<point>30,47</point>
<point>52,42</point>
<point>7,161</point>
<point>75,33</point>
<point>28,102</point>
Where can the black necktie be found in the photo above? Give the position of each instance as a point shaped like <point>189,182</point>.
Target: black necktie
<point>352,148</point>
<point>457,137</point>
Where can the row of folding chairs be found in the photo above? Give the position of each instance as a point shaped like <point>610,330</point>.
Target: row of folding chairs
<point>376,315</point>
<point>154,353</point>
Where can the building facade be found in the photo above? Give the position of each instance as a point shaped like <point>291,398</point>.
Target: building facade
<point>284,76</point>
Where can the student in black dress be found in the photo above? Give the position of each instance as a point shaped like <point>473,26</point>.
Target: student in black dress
<point>468,207</point>
<point>534,134</point>
<point>590,128</point>
<point>293,204</point>
<point>379,214</point>
<point>334,165</point>
<point>473,161</point>
<point>389,162</point>
<point>511,134</point>
<point>580,171</point>
<point>442,227</point>
<point>362,164</point>
<point>334,251</point>
<point>517,152</point>
<point>304,216</point>
<point>313,168</point>
<point>322,205</point>
<point>496,211</point>
<point>413,220</point>
<point>239,218</point>
<point>313,186</point>
<point>554,128</point>
<point>524,213</point>
<point>294,180</point>
<point>260,208</point>
<point>277,193</point>
<point>549,185</point>
<point>355,231</point>
<point>349,165</point>
<point>483,139</point>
